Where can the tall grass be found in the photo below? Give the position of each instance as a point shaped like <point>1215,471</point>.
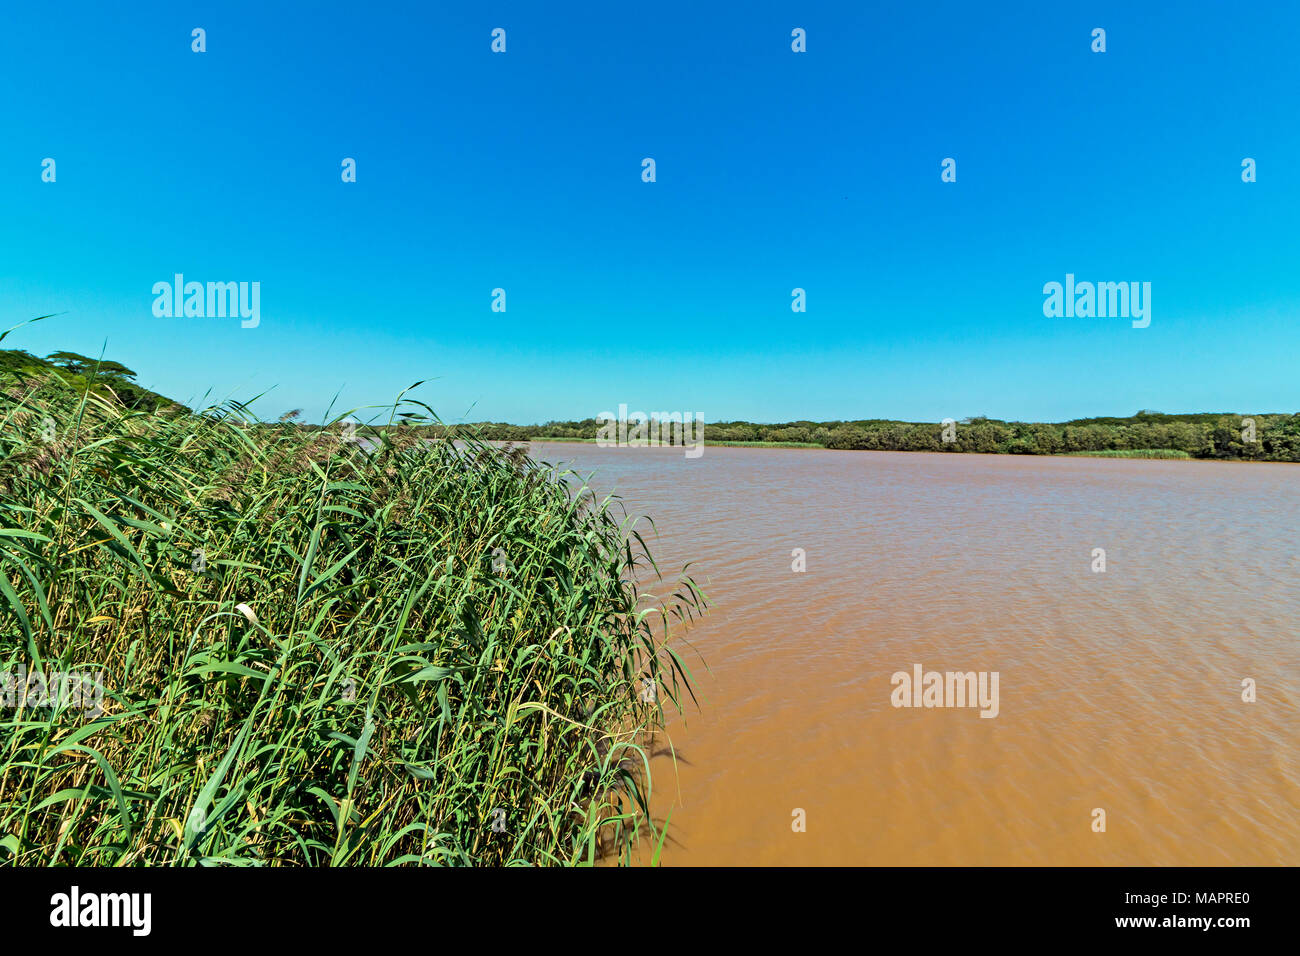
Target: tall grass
<point>1165,453</point>
<point>443,655</point>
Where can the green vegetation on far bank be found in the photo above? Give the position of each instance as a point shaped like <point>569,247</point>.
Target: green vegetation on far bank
<point>1147,434</point>
<point>1276,437</point>
<point>735,444</point>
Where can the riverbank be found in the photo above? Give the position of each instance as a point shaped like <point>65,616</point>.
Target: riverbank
<point>1210,435</point>
<point>730,444</point>
<point>1160,454</point>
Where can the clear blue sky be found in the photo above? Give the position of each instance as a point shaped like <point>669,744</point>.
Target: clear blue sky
<point>775,170</point>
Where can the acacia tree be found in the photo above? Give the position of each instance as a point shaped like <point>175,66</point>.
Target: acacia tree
<point>83,365</point>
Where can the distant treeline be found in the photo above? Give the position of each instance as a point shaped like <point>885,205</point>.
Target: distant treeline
<point>1203,435</point>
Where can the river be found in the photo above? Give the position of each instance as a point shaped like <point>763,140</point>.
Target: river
<point>1119,690</point>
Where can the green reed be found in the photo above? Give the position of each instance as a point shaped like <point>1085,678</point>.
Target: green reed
<point>1164,453</point>
<point>444,656</point>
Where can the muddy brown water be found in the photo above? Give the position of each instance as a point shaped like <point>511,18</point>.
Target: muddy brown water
<point>1118,690</point>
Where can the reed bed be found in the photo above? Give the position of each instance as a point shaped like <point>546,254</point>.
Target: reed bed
<point>319,647</point>
<point>1161,453</point>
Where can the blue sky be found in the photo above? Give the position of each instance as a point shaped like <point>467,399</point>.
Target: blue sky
<point>775,170</point>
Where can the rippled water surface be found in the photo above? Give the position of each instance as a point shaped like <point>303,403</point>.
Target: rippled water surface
<point>1119,690</point>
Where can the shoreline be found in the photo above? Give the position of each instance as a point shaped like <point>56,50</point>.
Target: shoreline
<point>1143,454</point>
